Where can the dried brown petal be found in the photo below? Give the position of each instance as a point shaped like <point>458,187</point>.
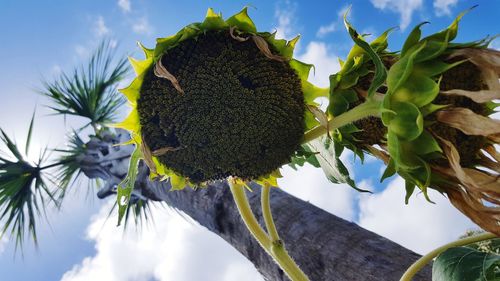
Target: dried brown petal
<point>477,96</point>
<point>164,150</point>
<point>474,209</point>
<point>161,71</point>
<point>236,37</point>
<point>488,163</point>
<point>470,123</point>
<point>487,60</point>
<point>148,157</point>
<point>320,116</point>
<point>475,187</point>
<point>493,152</point>
<point>263,46</point>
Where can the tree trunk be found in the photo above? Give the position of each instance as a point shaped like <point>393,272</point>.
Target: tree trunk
<point>325,247</point>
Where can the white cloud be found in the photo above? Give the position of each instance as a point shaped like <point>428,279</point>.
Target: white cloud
<point>404,7</point>
<point>325,62</point>
<point>124,5</point>
<point>420,226</point>
<point>336,24</point>
<point>285,16</point>
<point>170,249</point>
<point>310,184</point>
<point>3,244</point>
<point>81,51</point>
<point>142,26</point>
<point>325,29</point>
<point>56,69</point>
<point>443,6</point>
<point>100,27</point>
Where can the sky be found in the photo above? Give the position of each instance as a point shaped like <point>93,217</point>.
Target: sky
<point>42,39</point>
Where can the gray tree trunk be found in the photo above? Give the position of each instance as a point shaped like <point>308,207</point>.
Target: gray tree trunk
<point>325,247</point>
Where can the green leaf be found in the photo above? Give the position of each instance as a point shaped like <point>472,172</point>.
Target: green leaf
<point>349,80</point>
<point>310,91</point>
<point>434,67</point>
<point>334,169</point>
<point>149,53</point>
<point>430,108</point>
<point>23,191</point>
<point>30,131</point>
<point>90,92</point>
<point>408,123</point>
<point>401,70</point>
<point>380,43</point>
<point>380,71</point>
<point>309,120</point>
<point>127,185</point>
<point>389,171</point>
<point>242,21</point>
<point>213,21</point>
<point>68,162</point>
<point>338,104</point>
<point>432,50</point>
<point>304,155</point>
<point>409,187</point>
<point>402,159</point>
<point>425,144</point>
<point>451,31</point>
<point>465,263</point>
<point>412,39</point>
<point>418,89</point>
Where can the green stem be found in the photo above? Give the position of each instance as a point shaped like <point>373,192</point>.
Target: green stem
<point>247,215</point>
<point>274,248</point>
<point>420,263</point>
<point>266,213</point>
<point>371,107</point>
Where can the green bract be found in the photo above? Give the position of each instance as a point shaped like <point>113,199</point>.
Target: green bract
<point>434,105</point>
<point>215,100</point>
<point>413,84</point>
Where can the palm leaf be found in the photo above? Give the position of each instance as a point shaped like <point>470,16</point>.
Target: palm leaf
<point>23,190</point>
<point>68,168</point>
<point>90,92</point>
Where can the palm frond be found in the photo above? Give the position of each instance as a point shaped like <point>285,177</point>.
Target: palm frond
<point>90,92</point>
<point>139,211</point>
<point>68,168</point>
<point>23,190</point>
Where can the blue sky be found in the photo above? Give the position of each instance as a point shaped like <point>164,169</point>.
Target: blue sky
<point>40,39</point>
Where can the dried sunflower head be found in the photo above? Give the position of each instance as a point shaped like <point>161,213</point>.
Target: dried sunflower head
<point>435,128</point>
<point>218,99</point>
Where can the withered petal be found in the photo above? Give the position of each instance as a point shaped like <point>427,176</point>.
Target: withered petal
<point>469,122</point>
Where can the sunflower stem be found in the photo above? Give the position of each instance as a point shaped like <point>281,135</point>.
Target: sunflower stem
<point>274,248</point>
<point>420,263</point>
<point>371,107</point>
<point>266,213</point>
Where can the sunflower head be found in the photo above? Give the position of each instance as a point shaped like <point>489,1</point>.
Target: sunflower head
<point>435,128</point>
<point>219,99</point>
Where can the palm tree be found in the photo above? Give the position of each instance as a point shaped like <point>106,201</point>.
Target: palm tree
<point>27,188</point>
